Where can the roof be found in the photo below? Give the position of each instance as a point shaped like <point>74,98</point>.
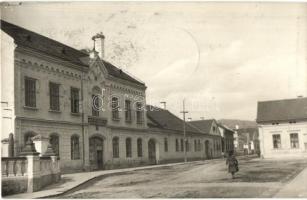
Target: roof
<point>282,110</point>
<point>225,127</point>
<point>40,43</point>
<point>164,119</point>
<point>203,125</point>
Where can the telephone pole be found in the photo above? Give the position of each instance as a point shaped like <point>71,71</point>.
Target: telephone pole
<point>184,131</point>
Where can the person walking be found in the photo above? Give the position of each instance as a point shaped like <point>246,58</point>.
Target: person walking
<point>233,165</point>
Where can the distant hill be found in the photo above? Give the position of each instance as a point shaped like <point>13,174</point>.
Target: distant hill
<point>231,123</point>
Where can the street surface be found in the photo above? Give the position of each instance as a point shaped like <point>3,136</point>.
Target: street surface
<point>256,178</point>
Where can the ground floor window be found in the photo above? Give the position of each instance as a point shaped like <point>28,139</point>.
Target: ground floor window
<point>140,149</point>
<point>294,140</point>
<point>128,148</point>
<point>276,141</point>
<point>177,145</point>
<point>75,148</point>
<point>54,141</point>
<point>165,145</point>
<point>181,144</point>
<point>115,144</point>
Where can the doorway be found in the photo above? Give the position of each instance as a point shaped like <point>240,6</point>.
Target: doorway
<point>152,152</point>
<point>96,153</point>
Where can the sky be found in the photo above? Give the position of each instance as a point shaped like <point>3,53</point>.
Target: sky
<point>222,58</point>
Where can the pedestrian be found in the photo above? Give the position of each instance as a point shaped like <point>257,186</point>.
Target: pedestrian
<point>233,165</point>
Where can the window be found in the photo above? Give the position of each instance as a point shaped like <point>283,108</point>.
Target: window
<point>74,100</point>
<point>95,105</point>
<point>139,146</point>
<point>128,148</point>
<point>177,145</point>
<point>128,110</point>
<point>165,145</point>
<point>195,145</point>
<point>213,128</point>
<point>115,144</point>
<point>54,91</point>
<point>139,113</point>
<point>294,140</point>
<point>115,108</point>
<point>54,141</point>
<point>30,92</point>
<point>276,141</point>
<point>187,145</point>
<point>181,145</point>
<point>75,151</point>
<point>199,145</point>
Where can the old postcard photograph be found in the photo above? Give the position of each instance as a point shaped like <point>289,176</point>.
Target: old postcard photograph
<point>152,99</point>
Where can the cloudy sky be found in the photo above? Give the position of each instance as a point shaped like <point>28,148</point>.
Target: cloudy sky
<point>221,57</point>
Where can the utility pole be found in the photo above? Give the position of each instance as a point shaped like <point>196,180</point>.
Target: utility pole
<point>184,131</point>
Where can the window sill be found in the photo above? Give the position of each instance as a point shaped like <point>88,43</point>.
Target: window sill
<point>116,119</point>
<point>75,114</point>
<point>30,108</point>
<point>55,111</point>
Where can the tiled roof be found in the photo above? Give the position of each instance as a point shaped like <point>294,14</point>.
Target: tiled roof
<point>40,43</point>
<point>203,125</point>
<point>282,110</point>
<point>164,119</point>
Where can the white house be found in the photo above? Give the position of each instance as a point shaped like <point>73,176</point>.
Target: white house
<point>283,128</point>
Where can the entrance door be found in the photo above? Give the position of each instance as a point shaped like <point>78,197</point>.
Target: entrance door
<point>96,153</point>
<point>152,152</point>
<point>99,159</point>
<point>207,149</point>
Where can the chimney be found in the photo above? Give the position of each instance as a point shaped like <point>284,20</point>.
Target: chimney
<point>164,104</point>
<point>99,44</point>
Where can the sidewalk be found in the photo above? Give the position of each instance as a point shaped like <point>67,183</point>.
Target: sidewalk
<point>297,188</point>
<point>71,181</point>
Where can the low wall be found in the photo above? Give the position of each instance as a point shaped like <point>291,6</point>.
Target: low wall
<point>28,174</point>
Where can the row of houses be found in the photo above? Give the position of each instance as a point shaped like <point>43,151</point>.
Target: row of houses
<point>93,114</point>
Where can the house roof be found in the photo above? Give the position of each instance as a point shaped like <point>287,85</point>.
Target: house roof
<point>282,110</point>
<point>203,125</point>
<point>164,119</point>
<point>40,43</point>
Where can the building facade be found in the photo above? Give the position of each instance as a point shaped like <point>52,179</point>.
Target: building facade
<point>92,113</point>
<point>283,128</point>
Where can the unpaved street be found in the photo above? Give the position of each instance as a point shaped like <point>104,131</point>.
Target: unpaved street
<point>256,178</point>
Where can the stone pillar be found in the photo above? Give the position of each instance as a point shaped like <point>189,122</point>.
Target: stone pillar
<point>33,170</point>
<point>11,145</point>
<point>41,144</point>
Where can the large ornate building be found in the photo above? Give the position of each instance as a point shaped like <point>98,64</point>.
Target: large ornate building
<point>92,113</point>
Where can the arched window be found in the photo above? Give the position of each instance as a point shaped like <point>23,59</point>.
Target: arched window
<point>128,148</point>
<point>96,101</point>
<point>177,145</point>
<point>75,147</point>
<point>54,141</point>
<point>140,149</point>
<point>28,136</point>
<point>115,108</point>
<point>115,144</point>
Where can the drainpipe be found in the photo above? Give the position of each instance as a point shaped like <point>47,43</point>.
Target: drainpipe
<point>82,122</point>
